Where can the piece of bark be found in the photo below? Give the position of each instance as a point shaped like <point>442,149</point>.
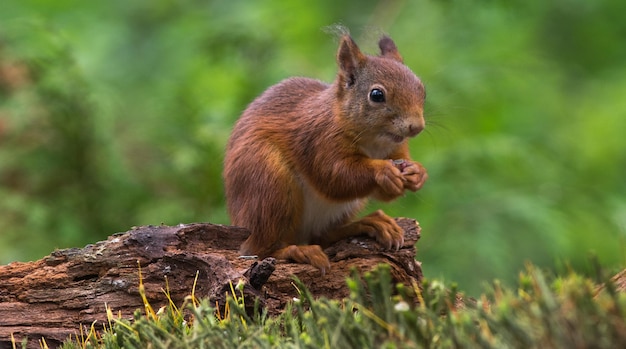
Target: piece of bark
<point>53,297</point>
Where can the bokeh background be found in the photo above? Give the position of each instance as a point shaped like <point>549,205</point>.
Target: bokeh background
<point>115,114</point>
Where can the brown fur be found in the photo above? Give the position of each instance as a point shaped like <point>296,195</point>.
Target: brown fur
<point>305,156</point>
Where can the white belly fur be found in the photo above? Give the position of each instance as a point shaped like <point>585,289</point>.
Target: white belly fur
<point>320,214</point>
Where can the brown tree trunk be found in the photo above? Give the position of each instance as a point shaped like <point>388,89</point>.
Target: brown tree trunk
<point>53,297</point>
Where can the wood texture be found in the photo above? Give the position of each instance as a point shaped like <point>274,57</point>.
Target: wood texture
<point>53,297</point>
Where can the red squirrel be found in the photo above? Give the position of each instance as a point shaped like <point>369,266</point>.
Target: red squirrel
<point>305,156</point>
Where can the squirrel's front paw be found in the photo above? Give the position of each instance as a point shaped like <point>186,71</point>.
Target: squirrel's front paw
<point>414,173</point>
<point>390,180</point>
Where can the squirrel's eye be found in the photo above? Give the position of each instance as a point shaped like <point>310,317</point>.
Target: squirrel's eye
<point>377,96</point>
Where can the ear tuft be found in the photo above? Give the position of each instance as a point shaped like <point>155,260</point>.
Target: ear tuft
<point>349,58</point>
<point>388,49</point>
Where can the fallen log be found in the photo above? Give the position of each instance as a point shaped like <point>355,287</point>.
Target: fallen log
<point>53,297</point>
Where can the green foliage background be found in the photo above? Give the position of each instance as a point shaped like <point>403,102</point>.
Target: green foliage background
<point>116,113</point>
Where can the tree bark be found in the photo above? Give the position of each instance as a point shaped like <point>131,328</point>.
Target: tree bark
<point>53,297</point>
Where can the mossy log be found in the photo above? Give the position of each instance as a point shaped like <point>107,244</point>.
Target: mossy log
<point>54,297</point>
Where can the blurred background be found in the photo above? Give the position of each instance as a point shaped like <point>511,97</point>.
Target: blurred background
<point>115,114</point>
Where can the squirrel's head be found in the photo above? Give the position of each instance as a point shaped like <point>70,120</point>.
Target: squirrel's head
<point>379,94</point>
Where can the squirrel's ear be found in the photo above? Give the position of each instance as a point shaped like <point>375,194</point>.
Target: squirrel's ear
<point>349,58</point>
<point>388,49</point>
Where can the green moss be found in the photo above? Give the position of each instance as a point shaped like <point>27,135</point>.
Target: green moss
<point>543,312</point>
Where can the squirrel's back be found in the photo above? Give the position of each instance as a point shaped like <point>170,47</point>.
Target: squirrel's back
<point>280,105</point>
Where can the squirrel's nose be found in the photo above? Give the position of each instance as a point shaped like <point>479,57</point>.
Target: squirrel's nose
<point>414,129</point>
